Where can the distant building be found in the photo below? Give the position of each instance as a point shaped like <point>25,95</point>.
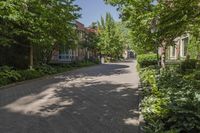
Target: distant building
<point>63,54</point>
<point>179,50</point>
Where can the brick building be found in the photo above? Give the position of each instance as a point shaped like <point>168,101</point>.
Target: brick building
<point>63,54</point>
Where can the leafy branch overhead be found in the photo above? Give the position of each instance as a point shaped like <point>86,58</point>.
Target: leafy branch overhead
<point>37,21</point>
<point>150,20</point>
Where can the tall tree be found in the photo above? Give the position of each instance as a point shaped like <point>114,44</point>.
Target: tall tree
<point>137,16</point>
<point>158,22</point>
<point>37,22</point>
<point>109,37</point>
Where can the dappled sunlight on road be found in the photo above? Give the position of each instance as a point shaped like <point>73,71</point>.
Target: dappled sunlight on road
<point>34,104</point>
<point>131,121</point>
<point>99,99</point>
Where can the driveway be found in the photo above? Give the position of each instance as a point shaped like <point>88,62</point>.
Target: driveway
<point>98,99</point>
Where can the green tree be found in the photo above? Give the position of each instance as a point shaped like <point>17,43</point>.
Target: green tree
<point>92,41</point>
<point>194,48</point>
<point>110,42</point>
<point>137,16</point>
<point>157,24</point>
<point>175,19</point>
<point>37,22</point>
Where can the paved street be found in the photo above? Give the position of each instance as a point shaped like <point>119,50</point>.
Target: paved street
<point>98,99</point>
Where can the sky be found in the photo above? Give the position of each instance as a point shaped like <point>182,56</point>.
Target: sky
<point>92,10</point>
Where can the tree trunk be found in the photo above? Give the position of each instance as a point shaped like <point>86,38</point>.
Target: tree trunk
<point>163,57</point>
<point>178,51</point>
<point>49,57</point>
<point>31,57</point>
<point>198,54</point>
<point>157,54</point>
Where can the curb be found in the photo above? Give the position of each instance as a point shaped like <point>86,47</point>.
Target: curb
<point>25,81</point>
<point>141,118</point>
<point>42,78</point>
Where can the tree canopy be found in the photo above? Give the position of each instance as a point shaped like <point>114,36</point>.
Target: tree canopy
<point>110,37</point>
<point>137,16</point>
<point>168,19</point>
<point>157,23</point>
<point>37,21</point>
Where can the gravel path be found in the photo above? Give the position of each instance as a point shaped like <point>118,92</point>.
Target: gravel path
<point>98,99</point>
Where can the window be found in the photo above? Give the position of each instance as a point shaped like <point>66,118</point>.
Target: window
<point>185,42</point>
<point>63,53</point>
<point>184,46</point>
<point>173,51</point>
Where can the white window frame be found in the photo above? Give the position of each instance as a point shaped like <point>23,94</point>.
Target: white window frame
<point>171,52</point>
<point>66,55</point>
<point>182,46</point>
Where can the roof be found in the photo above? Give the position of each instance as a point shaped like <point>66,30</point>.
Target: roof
<point>81,26</point>
<point>91,30</point>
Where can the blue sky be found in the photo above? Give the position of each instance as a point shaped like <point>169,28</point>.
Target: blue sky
<point>92,10</point>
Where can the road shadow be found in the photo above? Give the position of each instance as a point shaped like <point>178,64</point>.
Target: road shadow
<point>126,61</point>
<point>100,70</point>
<point>37,86</point>
<point>89,108</point>
<point>67,104</point>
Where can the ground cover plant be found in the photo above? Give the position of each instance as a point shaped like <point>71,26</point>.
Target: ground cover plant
<point>171,99</point>
<point>10,75</point>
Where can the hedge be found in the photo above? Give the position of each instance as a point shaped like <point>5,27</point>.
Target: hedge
<point>189,64</point>
<point>9,75</point>
<point>146,60</point>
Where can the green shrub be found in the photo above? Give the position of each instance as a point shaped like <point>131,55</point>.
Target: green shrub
<point>188,65</point>
<point>95,61</point>
<point>8,75</point>
<point>197,75</point>
<point>192,76</point>
<point>75,64</point>
<point>146,60</point>
<point>46,69</point>
<point>198,65</point>
<point>148,77</point>
<point>176,105</point>
<point>184,112</point>
<point>158,127</point>
<point>154,107</point>
<point>30,74</point>
<point>5,68</point>
<point>83,63</point>
<point>107,59</point>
